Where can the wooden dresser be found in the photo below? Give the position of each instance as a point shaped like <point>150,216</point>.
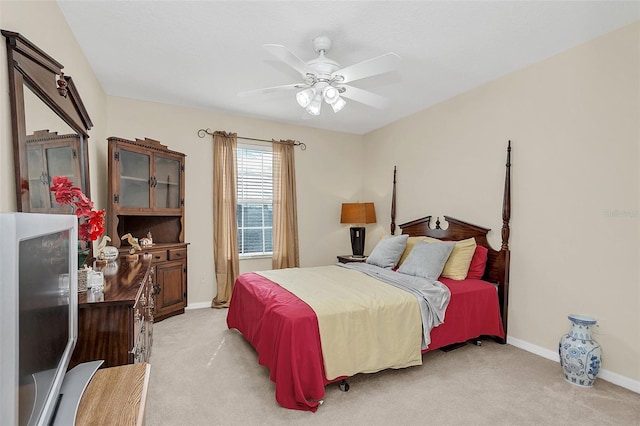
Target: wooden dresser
<point>116,325</point>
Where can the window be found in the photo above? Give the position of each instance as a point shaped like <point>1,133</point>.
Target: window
<point>255,199</point>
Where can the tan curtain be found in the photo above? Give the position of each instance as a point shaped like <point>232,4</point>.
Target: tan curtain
<point>225,227</point>
<point>285,212</point>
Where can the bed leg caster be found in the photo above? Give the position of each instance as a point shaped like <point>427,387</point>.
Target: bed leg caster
<point>344,386</point>
<point>477,342</point>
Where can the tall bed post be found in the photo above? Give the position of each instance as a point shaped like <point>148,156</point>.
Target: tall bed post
<point>504,250</point>
<point>393,203</point>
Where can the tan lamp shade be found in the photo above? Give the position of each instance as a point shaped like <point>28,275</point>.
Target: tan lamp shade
<point>357,213</point>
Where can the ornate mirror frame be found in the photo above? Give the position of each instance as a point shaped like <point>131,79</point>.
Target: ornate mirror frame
<point>31,68</point>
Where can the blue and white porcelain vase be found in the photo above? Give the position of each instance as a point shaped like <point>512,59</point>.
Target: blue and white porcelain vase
<point>580,355</point>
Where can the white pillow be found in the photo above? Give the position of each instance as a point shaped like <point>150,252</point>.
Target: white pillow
<point>427,260</point>
<point>387,252</point>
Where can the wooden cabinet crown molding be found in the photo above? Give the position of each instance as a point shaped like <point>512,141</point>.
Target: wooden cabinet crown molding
<point>147,143</point>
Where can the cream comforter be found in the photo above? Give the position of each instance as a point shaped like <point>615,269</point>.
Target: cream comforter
<point>365,325</point>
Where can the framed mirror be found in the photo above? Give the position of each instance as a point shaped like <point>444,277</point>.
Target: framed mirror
<point>50,129</point>
<point>50,126</point>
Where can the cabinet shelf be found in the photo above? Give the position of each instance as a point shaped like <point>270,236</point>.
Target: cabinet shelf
<point>137,179</point>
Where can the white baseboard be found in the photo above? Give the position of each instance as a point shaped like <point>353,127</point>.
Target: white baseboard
<point>529,347</point>
<point>198,305</point>
<point>609,376</point>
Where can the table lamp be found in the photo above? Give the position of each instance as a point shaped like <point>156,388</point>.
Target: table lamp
<point>358,214</point>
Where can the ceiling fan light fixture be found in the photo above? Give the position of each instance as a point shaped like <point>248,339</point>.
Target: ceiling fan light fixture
<point>315,106</point>
<point>305,97</point>
<point>338,104</point>
<point>330,94</point>
<point>324,79</point>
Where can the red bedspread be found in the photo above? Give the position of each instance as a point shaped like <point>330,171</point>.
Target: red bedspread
<point>284,331</point>
<point>473,311</point>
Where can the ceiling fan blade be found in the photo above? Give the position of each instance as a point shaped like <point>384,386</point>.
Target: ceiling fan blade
<point>272,89</point>
<point>374,66</point>
<point>364,97</point>
<point>286,56</point>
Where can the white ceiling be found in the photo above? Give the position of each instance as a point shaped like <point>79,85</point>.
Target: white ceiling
<point>202,53</point>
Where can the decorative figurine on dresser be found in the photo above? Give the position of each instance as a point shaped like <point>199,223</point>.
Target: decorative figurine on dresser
<point>145,214</point>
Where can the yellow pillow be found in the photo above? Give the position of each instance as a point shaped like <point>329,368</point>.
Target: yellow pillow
<point>411,242</point>
<point>457,265</point>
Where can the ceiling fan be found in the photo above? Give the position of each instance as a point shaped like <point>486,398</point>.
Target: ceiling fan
<point>324,79</point>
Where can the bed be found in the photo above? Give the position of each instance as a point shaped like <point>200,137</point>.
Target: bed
<point>308,334</point>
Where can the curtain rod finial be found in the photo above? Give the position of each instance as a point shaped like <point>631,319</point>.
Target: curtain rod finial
<point>203,132</point>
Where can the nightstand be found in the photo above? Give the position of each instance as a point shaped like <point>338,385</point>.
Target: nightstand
<point>347,258</point>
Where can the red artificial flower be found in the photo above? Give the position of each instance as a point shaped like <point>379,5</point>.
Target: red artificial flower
<point>67,194</point>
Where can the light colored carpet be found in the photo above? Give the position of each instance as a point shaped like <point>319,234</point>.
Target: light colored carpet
<point>205,374</point>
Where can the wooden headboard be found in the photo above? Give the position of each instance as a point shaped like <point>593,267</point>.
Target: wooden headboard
<point>497,269</point>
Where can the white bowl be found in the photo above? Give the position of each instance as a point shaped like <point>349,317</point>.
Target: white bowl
<point>110,253</point>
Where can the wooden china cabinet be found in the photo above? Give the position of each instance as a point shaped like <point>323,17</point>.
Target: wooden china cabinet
<point>146,198</point>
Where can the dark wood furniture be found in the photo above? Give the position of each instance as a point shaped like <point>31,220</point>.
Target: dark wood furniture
<point>348,258</point>
<point>42,95</point>
<point>169,263</point>
<point>146,198</point>
<point>115,396</point>
<point>116,325</point>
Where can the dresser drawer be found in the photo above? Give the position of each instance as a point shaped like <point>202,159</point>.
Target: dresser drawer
<point>159,256</point>
<point>177,254</point>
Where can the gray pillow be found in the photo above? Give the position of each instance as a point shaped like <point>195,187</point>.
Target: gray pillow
<point>388,251</point>
<point>427,259</point>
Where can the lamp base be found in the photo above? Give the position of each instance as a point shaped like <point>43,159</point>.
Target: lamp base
<point>357,240</point>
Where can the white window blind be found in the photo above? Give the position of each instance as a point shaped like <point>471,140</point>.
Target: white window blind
<point>255,199</point>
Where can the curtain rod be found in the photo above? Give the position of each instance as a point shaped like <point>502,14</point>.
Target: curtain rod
<point>203,132</point>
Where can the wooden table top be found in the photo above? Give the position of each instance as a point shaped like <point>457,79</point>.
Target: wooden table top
<point>115,396</point>
<point>122,281</point>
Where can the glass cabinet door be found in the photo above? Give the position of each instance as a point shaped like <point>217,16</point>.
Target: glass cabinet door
<point>45,161</point>
<point>166,183</point>
<point>135,174</point>
<point>61,161</point>
<point>37,179</point>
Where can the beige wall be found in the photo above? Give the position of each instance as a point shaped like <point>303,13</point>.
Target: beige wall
<point>326,176</point>
<point>574,122</point>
